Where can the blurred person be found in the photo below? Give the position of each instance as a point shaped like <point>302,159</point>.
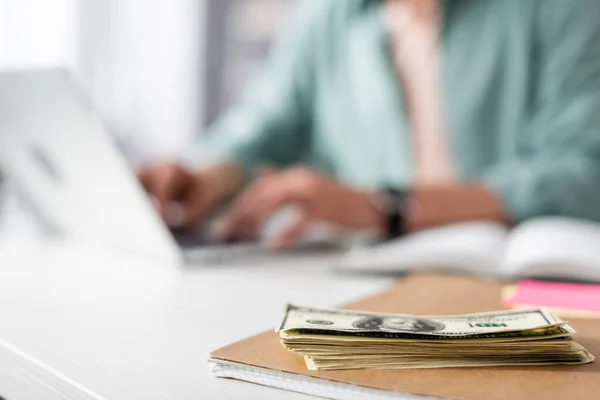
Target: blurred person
<point>400,115</point>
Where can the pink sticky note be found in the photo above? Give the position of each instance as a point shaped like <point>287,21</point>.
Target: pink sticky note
<point>567,296</point>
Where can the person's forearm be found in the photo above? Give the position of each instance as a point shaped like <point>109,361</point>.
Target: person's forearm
<point>437,206</point>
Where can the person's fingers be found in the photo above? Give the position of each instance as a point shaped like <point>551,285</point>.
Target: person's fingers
<point>150,179</point>
<point>165,183</point>
<point>288,188</point>
<point>238,219</point>
<point>273,191</point>
<point>168,189</point>
<point>196,205</point>
<point>235,219</point>
<point>144,176</point>
<point>259,208</point>
<point>292,233</point>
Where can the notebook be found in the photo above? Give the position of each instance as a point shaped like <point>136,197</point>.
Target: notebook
<point>262,359</point>
<point>549,247</point>
<point>565,299</point>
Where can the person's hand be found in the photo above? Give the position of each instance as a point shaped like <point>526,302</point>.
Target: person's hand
<point>184,197</point>
<point>320,198</point>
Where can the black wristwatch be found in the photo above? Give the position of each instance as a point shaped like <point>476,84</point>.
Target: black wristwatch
<point>392,203</point>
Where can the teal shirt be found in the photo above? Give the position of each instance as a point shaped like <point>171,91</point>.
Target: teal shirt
<point>521,90</point>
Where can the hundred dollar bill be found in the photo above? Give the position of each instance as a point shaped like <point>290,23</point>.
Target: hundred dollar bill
<point>340,339</point>
<point>306,320</point>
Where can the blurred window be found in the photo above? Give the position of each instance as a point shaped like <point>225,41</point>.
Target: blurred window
<point>33,33</point>
<point>238,36</point>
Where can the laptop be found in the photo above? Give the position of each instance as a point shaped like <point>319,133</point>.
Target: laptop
<point>64,165</point>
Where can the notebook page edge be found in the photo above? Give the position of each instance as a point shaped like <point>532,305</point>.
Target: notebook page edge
<point>471,247</point>
<point>568,256</point>
<point>305,384</point>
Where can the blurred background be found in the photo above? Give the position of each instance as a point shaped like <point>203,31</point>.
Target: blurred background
<point>156,71</point>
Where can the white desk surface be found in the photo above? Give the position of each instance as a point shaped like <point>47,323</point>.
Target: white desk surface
<point>127,329</point>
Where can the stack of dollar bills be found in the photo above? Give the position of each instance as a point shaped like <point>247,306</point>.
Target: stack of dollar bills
<point>339,339</point>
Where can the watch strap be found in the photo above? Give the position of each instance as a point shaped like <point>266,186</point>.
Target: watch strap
<point>395,200</point>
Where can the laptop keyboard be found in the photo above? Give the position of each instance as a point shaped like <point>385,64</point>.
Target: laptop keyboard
<point>199,247</point>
